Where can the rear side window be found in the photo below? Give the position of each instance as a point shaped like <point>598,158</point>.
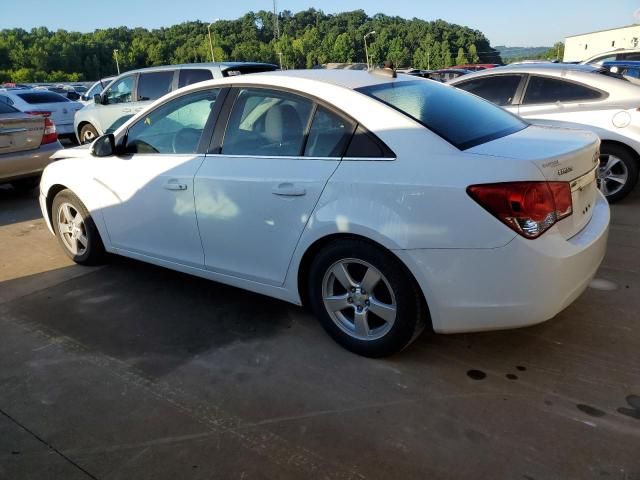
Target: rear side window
<point>42,97</point>
<point>4,108</point>
<point>551,90</point>
<point>192,75</point>
<point>500,89</point>
<point>6,100</point>
<point>328,135</point>
<point>154,85</point>
<point>365,145</point>
<point>461,119</point>
<point>267,123</point>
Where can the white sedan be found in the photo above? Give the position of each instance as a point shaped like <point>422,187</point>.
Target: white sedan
<point>59,109</point>
<point>386,204</point>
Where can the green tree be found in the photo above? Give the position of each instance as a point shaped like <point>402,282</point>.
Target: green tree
<point>461,59</point>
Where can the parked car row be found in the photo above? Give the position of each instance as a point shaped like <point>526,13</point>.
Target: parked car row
<point>581,97</point>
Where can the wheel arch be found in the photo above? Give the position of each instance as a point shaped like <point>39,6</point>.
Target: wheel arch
<point>629,149</point>
<point>304,266</point>
<point>51,194</point>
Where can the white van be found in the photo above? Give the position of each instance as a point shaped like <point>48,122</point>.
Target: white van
<point>130,92</point>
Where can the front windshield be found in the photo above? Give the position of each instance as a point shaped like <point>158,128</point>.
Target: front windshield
<point>460,118</point>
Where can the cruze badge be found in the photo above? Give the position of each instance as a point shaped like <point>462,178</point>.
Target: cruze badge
<point>564,171</point>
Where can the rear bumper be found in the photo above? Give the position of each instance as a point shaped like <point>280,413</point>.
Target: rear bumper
<point>523,283</point>
<point>25,164</point>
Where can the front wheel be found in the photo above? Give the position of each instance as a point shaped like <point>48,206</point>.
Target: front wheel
<point>365,299</point>
<point>75,229</point>
<point>88,133</point>
<point>617,172</point>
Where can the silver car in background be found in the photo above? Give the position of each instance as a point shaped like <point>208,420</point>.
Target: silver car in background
<point>573,96</point>
<point>26,145</point>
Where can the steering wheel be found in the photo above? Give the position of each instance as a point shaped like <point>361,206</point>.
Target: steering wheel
<point>186,140</point>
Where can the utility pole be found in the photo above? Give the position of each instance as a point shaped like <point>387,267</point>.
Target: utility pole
<point>276,30</point>
<point>115,54</point>
<point>366,50</point>
<point>213,59</point>
<point>280,55</point>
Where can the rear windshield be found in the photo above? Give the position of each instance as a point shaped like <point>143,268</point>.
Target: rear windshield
<point>4,108</point>
<point>462,119</point>
<point>42,97</point>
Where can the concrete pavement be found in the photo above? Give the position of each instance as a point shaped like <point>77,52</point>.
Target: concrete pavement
<point>131,371</point>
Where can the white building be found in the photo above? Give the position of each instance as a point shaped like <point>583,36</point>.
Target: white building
<point>581,47</point>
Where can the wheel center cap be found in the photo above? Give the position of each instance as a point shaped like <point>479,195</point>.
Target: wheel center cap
<point>359,298</point>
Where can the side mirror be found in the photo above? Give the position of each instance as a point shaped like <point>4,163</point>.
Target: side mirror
<point>73,96</point>
<point>104,146</point>
<point>97,98</point>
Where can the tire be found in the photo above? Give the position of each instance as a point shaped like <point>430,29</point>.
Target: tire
<point>72,223</point>
<point>373,335</point>
<point>26,184</point>
<point>618,172</point>
<point>88,133</point>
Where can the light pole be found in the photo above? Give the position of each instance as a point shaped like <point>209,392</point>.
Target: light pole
<point>115,54</point>
<point>280,55</point>
<point>366,50</point>
<point>213,59</point>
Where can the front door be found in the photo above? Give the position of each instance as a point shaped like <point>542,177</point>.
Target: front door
<point>152,211</point>
<point>254,199</point>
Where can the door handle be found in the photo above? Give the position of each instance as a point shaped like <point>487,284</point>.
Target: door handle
<point>175,186</point>
<point>288,190</point>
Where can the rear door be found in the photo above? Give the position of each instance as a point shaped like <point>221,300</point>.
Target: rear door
<point>553,98</point>
<point>256,191</point>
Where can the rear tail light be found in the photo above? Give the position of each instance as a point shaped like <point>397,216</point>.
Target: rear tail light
<point>49,135</point>
<point>42,113</point>
<point>528,208</point>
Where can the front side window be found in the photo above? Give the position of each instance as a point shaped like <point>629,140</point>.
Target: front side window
<point>550,90</point>
<point>267,123</point>
<point>328,136</point>
<point>500,89</point>
<point>154,85</point>
<point>120,91</point>
<point>459,118</point>
<point>175,127</point>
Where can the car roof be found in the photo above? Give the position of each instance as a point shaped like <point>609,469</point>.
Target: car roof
<point>221,65</point>
<point>351,79</point>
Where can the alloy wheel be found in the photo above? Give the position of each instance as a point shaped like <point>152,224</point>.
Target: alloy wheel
<point>359,299</point>
<point>72,229</point>
<point>613,174</point>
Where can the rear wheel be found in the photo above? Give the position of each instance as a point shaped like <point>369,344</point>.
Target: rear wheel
<point>617,173</point>
<point>75,229</point>
<point>88,133</point>
<point>365,299</point>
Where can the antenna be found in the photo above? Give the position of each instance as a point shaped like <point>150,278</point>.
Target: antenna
<point>276,31</point>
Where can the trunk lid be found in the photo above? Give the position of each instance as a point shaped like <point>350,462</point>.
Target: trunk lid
<point>562,155</point>
<point>20,132</point>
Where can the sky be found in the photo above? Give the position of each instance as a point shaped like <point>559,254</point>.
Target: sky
<point>504,22</point>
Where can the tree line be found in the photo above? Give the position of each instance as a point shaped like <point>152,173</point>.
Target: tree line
<point>298,40</point>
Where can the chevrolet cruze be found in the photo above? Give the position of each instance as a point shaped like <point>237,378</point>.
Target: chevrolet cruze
<point>386,203</point>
